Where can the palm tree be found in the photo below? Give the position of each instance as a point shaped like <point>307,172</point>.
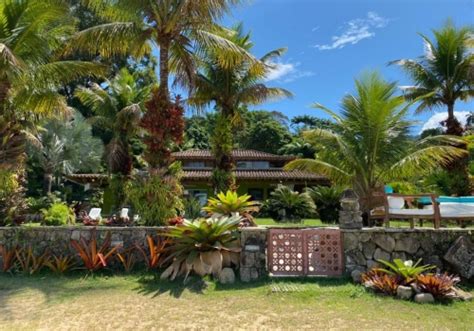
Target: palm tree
<point>118,108</point>
<point>230,88</point>
<point>370,141</point>
<point>181,29</point>
<point>32,33</point>
<point>64,147</point>
<point>443,74</point>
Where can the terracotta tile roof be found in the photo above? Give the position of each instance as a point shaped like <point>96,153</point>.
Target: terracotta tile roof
<point>258,175</point>
<point>238,154</point>
<point>87,178</point>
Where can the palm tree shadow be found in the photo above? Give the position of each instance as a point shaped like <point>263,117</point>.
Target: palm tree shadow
<point>155,286</point>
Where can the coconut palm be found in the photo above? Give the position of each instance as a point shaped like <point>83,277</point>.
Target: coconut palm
<point>230,88</point>
<point>64,147</point>
<point>443,74</point>
<point>118,108</point>
<point>181,29</point>
<point>370,141</point>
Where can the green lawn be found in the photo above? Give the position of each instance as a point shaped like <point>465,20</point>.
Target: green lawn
<point>140,301</point>
<point>317,222</point>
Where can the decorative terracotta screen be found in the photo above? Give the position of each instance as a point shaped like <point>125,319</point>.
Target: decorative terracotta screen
<point>305,252</point>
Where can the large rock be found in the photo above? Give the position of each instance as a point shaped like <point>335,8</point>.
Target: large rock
<point>356,276</point>
<point>387,243</point>
<point>368,250</point>
<point>351,241</point>
<point>380,254</point>
<point>461,257</point>
<point>227,276</point>
<point>424,298</point>
<point>407,244</point>
<point>404,292</point>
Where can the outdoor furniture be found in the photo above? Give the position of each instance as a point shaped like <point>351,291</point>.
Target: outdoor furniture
<point>124,213</point>
<point>94,214</point>
<point>402,206</point>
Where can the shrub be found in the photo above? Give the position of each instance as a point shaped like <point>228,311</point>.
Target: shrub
<point>439,285</point>
<point>405,271</point>
<point>154,255</point>
<point>59,264</point>
<point>30,262</point>
<point>327,200</point>
<point>230,203</point>
<point>287,205</point>
<point>381,282</point>
<point>155,198</point>
<point>58,214</point>
<point>192,208</point>
<point>93,258</point>
<point>203,246</point>
<point>8,255</point>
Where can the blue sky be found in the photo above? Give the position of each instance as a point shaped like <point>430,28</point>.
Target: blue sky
<point>332,41</point>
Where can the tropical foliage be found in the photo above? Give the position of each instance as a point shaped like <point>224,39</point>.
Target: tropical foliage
<point>327,200</point>
<point>230,203</point>
<point>370,141</point>
<point>285,205</point>
<point>439,285</point>
<point>405,271</point>
<point>443,74</point>
<point>203,246</point>
<point>58,214</point>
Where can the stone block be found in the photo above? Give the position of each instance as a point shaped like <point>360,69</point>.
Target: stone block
<point>368,250</point>
<point>351,241</point>
<point>461,257</point>
<point>380,254</point>
<point>385,241</point>
<point>408,244</point>
<point>404,292</point>
<point>252,248</point>
<point>248,259</point>
<point>226,276</point>
<point>424,298</point>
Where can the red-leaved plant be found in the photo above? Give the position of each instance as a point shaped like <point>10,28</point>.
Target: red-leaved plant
<point>439,285</point>
<point>154,255</point>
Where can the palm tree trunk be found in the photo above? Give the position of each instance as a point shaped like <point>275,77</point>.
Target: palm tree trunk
<point>163,88</point>
<point>453,127</point>
<point>47,182</point>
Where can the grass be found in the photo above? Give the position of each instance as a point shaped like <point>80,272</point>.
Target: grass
<point>141,301</point>
<point>267,222</point>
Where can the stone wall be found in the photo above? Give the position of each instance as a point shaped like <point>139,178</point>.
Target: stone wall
<point>253,263</point>
<point>57,239</point>
<point>363,247</point>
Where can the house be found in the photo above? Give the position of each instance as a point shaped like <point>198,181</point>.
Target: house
<point>257,173</point>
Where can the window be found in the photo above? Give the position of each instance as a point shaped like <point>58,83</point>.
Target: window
<point>253,165</point>
<point>256,194</point>
<point>194,164</point>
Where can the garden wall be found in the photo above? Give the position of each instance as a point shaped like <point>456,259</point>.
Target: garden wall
<point>361,247</point>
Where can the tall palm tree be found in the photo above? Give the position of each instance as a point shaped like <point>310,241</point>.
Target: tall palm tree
<point>181,29</point>
<point>118,108</point>
<point>230,88</point>
<point>32,32</point>
<point>64,147</point>
<point>444,73</point>
<point>369,142</point>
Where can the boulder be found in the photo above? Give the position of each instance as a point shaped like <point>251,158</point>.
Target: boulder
<point>226,276</point>
<point>461,257</point>
<point>424,298</point>
<point>387,243</point>
<point>407,244</point>
<point>380,254</point>
<point>357,276</point>
<point>404,292</point>
<point>351,241</point>
<point>369,249</point>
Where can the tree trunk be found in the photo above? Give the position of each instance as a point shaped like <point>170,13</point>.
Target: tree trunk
<point>47,183</point>
<point>453,127</point>
<point>223,178</point>
<point>163,89</point>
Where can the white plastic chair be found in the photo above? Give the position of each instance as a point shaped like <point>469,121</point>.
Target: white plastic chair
<point>124,213</point>
<point>94,213</point>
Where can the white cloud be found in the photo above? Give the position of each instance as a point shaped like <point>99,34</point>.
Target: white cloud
<point>316,28</point>
<point>286,72</point>
<point>434,121</point>
<point>356,30</point>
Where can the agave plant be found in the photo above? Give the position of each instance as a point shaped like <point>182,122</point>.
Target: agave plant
<point>230,203</point>
<point>203,246</point>
<point>406,271</point>
<point>59,264</point>
<point>288,205</point>
<point>439,285</point>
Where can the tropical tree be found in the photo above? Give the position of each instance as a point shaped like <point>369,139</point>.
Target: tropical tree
<point>443,74</point>
<point>118,108</point>
<point>32,32</point>
<point>370,141</point>
<point>64,146</point>
<point>230,88</point>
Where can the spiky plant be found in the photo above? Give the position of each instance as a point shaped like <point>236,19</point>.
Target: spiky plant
<point>203,246</point>
<point>230,203</point>
<point>285,204</point>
